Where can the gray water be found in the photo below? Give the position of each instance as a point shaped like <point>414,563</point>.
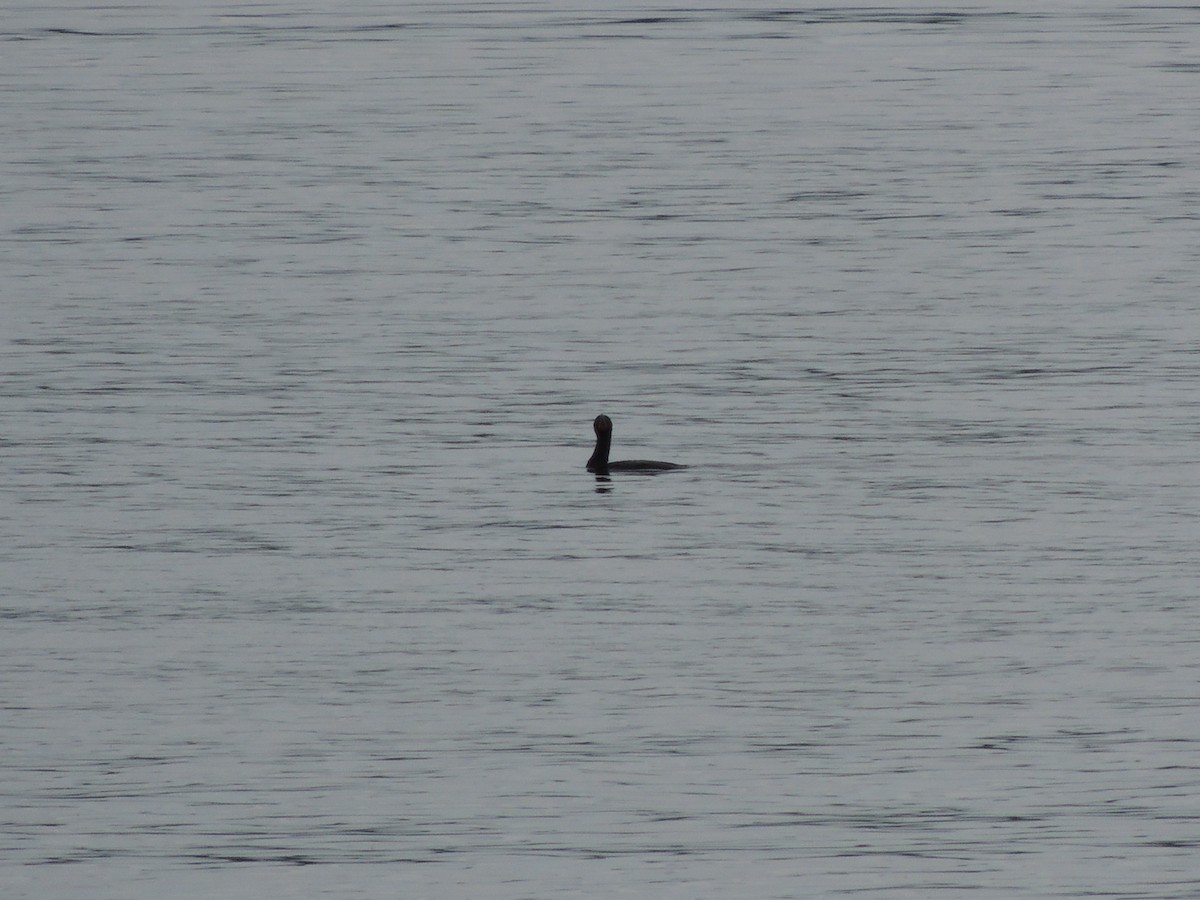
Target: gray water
<point>306,313</point>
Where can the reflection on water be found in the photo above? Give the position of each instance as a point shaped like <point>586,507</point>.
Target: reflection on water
<point>305,578</point>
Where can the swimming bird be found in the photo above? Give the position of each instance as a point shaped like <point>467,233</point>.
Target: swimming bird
<point>601,466</point>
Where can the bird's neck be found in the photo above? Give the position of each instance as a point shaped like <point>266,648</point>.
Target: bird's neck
<point>599,458</point>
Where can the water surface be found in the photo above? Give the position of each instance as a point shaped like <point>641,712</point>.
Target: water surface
<point>307,313</point>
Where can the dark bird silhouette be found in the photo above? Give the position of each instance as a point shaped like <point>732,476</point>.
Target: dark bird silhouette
<point>601,466</point>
